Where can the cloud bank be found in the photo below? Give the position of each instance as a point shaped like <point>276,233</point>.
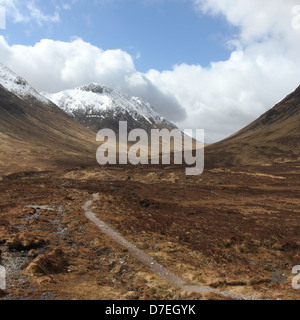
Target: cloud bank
<point>52,66</point>
<point>222,98</point>
<point>262,69</point>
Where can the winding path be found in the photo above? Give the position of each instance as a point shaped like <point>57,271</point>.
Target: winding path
<point>157,268</point>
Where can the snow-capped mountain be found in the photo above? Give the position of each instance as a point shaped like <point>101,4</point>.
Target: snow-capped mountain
<point>18,85</point>
<point>97,106</point>
<point>35,134</point>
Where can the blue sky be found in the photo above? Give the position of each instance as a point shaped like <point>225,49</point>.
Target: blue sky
<point>158,34</point>
<point>203,64</point>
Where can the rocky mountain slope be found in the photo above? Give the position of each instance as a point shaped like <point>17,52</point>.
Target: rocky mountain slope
<point>97,107</point>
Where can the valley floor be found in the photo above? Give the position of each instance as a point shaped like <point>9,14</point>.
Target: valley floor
<point>234,230</point>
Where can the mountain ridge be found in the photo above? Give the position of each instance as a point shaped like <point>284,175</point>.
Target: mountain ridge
<point>36,134</point>
<point>96,106</point>
<point>272,138</point>
<point>18,85</point>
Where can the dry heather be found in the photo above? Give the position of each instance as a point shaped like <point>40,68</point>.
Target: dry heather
<point>234,230</point>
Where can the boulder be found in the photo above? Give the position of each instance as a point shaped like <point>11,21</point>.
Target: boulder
<point>51,263</point>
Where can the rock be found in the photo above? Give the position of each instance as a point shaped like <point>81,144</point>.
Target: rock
<point>51,263</point>
<point>47,296</point>
<point>25,241</point>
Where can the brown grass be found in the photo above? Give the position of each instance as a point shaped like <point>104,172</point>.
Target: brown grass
<point>225,229</point>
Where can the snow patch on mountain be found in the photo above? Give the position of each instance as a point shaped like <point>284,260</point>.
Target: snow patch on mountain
<point>18,85</point>
<point>93,99</point>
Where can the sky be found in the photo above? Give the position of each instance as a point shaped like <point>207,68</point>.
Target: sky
<point>203,64</point>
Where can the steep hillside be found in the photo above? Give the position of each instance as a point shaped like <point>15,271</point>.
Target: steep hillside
<point>35,134</point>
<point>273,138</point>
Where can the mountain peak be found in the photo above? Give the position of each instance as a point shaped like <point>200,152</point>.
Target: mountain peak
<point>18,85</point>
<point>96,106</point>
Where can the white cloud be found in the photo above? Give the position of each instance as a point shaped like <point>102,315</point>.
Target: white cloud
<point>263,68</point>
<point>66,6</point>
<point>221,98</point>
<point>53,66</point>
<point>257,20</point>
<point>38,16</point>
<point>12,10</point>
<point>27,11</point>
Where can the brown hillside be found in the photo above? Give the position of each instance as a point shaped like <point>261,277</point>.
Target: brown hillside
<point>38,136</point>
<point>272,138</point>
